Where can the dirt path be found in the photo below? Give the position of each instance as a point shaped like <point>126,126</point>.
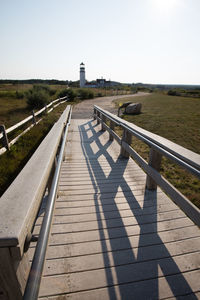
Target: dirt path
<point>84,110</point>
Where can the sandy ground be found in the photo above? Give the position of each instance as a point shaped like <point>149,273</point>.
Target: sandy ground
<point>84,110</point>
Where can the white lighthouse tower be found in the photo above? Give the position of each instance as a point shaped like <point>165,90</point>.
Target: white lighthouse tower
<point>82,75</point>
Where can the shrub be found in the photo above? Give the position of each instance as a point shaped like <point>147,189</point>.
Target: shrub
<point>85,94</point>
<point>70,93</point>
<point>37,97</point>
<point>19,95</point>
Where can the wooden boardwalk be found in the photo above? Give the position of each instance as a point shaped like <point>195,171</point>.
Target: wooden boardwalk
<point>111,238</point>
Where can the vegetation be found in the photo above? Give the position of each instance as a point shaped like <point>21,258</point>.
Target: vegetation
<point>22,150</point>
<point>38,96</point>
<point>70,93</point>
<point>13,101</point>
<point>177,119</point>
<point>185,93</point>
<point>85,94</point>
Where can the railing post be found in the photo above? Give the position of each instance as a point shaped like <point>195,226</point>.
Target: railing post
<point>34,120</point>
<point>5,137</point>
<point>112,126</point>
<point>127,138</point>
<point>94,115</point>
<point>98,115</point>
<point>103,118</point>
<point>155,162</point>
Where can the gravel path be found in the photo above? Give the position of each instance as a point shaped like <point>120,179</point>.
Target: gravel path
<point>84,110</point>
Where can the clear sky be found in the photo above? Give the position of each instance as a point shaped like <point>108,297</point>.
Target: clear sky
<point>149,41</point>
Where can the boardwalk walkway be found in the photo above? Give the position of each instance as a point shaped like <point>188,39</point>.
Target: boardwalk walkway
<point>111,238</point>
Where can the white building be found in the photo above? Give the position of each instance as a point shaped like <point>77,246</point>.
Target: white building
<point>98,83</point>
<point>82,75</point>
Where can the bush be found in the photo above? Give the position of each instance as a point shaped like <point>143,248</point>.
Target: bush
<point>85,94</point>
<point>70,93</point>
<point>19,95</point>
<point>38,96</point>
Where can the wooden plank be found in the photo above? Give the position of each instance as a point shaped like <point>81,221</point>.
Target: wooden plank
<point>95,235</point>
<point>159,244</point>
<point>120,205</point>
<point>142,290</point>
<point>119,257</point>
<point>95,279</point>
<point>114,221</point>
<point>104,196</point>
<point>117,211</point>
<point>110,237</point>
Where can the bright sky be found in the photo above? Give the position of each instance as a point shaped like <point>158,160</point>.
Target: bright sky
<point>149,41</point>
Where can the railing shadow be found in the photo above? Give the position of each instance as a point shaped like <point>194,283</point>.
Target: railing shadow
<point>129,266</point>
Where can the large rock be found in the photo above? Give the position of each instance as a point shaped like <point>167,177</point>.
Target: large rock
<point>125,104</point>
<point>133,108</point>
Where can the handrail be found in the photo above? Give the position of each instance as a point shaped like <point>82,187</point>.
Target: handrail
<point>186,158</point>
<point>173,157</point>
<point>4,133</point>
<point>193,165</point>
<point>24,121</point>
<point>34,279</point>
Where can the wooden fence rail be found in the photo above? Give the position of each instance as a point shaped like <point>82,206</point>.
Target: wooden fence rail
<point>19,207</point>
<point>159,147</point>
<point>4,132</point>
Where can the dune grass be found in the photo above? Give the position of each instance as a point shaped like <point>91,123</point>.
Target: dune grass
<point>177,119</point>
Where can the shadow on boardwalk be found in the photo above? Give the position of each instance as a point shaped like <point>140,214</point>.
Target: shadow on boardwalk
<point>136,273</point>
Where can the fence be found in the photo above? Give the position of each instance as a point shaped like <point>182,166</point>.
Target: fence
<point>19,207</point>
<point>159,147</point>
<point>4,132</point>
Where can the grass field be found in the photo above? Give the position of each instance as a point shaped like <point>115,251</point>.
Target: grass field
<point>12,108</point>
<point>177,119</point>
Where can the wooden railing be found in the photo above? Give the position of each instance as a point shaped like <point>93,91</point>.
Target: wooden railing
<point>159,147</point>
<point>4,132</point>
<point>19,207</point>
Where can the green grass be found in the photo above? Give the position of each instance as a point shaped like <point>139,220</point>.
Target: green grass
<point>177,119</point>
<point>13,109</point>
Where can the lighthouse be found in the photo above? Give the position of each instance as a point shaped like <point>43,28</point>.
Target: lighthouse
<point>82,75</point>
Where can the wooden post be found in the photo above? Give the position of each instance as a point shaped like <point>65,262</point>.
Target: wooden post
<point>112,126</point>
<point>103,118</point>
<point>127,137</point>
<point>5,137</point>
<point>34,120</point>
<point>14,270</point>
<point>155,162</point>
<point>94,115</point>
<point>98,115</point>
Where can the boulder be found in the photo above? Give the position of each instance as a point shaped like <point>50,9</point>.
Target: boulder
<point>124,105</point>
<point>133,108</point>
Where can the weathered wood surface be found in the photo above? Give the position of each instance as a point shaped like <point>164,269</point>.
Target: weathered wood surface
<point>111,238</point>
